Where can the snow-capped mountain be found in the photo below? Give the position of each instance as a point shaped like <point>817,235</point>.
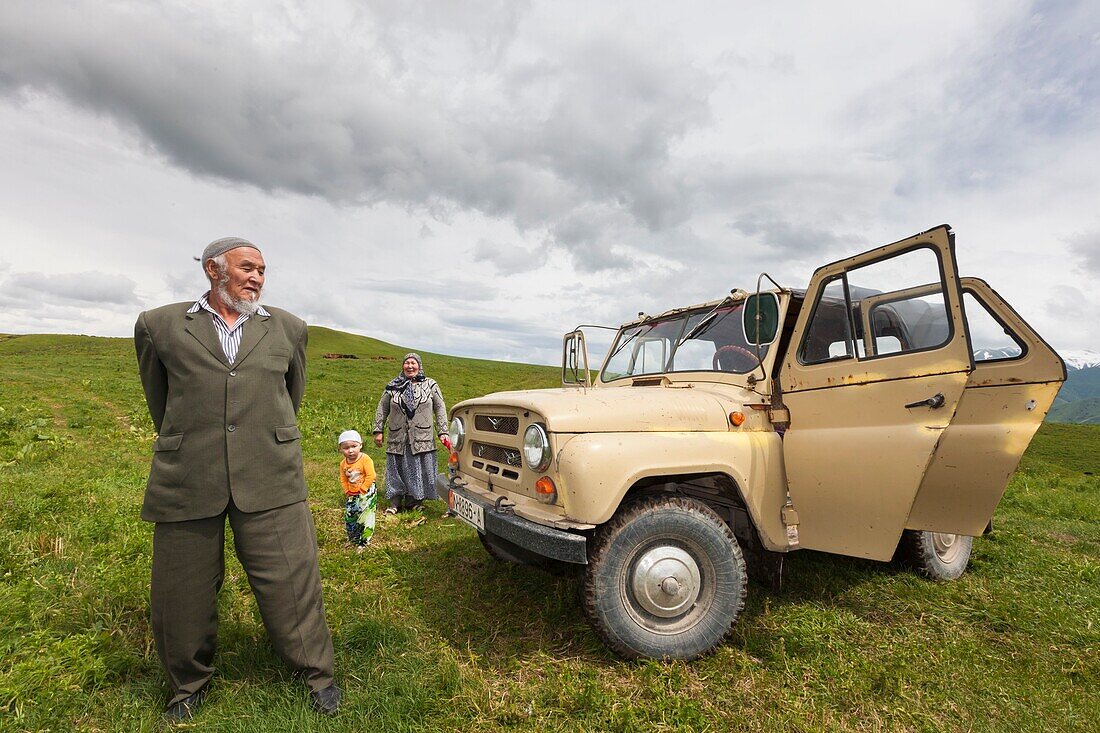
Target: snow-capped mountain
<point>1081,358</point>
<point>993,354</point>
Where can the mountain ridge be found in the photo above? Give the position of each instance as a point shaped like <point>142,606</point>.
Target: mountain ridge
<point>1079,399</point>
<point>1080,358</point>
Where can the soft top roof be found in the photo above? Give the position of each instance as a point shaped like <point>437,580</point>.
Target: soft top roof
<point>735,296</point>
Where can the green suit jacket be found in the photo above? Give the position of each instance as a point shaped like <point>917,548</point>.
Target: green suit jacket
<point>225,430</point>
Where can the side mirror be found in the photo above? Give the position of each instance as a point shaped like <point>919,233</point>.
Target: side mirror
<point>760,318</point>
<point>574,361</point>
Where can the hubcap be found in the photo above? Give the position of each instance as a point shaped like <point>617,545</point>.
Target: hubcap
<point>666,581</point>
<point>946,546</point>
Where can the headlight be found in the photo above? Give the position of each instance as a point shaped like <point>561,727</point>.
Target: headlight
<point>457,433</point>
<point>536,447</point>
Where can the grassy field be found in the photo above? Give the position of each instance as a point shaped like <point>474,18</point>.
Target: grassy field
<point>431,634</point>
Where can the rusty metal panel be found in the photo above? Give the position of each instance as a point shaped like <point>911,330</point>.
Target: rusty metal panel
<point>863,430</point>
<point>1002,406</point>
<point>953,356</point>
<point>978,454</point>
<point>856,456</point>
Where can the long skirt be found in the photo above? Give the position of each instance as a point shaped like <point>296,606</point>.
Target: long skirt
<point>410,477</point>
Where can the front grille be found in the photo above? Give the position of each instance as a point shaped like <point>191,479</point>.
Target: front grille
<point>506,424</point>
<point>497,454</point>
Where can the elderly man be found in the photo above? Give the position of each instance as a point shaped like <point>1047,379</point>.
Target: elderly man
<point>223,378</point>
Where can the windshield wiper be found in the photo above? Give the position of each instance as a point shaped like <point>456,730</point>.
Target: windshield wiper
<point>630,338</point>
<point>705,322</point>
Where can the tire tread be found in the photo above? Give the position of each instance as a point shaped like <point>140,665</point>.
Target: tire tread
<point>916,552</point>
<point>600,546</point>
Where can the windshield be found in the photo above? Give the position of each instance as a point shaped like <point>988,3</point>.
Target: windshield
<point>705,340</point>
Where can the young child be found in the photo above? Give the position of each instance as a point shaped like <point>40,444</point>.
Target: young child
<point>357,478</point>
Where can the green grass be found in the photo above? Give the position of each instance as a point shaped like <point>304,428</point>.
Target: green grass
<point>431,634</point>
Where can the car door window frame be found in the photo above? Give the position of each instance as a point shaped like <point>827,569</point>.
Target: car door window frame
<point>858,327</point>
<point>1009,331</point>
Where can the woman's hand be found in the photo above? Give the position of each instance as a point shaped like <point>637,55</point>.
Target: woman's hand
<point>378,439</point>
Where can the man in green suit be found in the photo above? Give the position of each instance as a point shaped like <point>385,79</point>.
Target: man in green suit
<point>223,378</point>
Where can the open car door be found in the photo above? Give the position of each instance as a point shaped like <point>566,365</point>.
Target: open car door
<point>1015,380</point>
<point>877,364</point>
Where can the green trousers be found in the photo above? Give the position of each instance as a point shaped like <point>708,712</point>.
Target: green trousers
<point>278,550</point>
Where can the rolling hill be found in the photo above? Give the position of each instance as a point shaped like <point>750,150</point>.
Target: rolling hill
<point>432,634</point>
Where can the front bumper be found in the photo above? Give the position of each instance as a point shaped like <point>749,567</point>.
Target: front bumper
<point>548,542</point>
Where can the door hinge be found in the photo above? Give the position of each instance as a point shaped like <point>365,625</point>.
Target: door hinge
<point>779,416</point>
<point>790,519</point>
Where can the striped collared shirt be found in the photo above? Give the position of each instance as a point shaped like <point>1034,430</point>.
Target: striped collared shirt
<point>230,338</point>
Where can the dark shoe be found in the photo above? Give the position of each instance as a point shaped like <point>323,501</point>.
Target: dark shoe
<point>186,708</point>
<point>326,701</point>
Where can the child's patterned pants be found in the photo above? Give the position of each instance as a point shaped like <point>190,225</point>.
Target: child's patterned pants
<point>359,516</point>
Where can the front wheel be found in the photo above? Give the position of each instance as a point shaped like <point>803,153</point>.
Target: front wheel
<point>665,579</point>
<point>936,555</point>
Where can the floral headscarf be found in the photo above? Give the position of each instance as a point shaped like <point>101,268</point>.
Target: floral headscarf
<point>406,386</point>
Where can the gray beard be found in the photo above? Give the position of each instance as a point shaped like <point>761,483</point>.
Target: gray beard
<point>241,305</point>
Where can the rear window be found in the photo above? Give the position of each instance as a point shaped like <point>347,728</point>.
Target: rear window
<point>990,339</point>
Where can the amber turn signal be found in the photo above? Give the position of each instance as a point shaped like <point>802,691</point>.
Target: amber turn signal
<point>545,490</point>
<point>736,418</point>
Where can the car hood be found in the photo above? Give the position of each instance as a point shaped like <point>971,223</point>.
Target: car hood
<point>634,409</point>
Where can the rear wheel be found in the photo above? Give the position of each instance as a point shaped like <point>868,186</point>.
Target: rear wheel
<point>665,579</point>
<point>936,555</point>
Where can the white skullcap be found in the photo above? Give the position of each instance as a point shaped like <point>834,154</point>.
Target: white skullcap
<point>349,435</point>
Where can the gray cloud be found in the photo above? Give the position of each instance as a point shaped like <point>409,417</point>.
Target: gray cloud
<point>455,290</point>
<point>1026,86</point>
<point>616,108</point>
<point>98,288</point>
<point>1086,315</point>
<point>186,285</point>
<point>1086,245</point>
<point>1051,83</point>
<point>497,324</point>
<point>88,302</point>
<point>783,236</point>
<point>615,146</point>
<point>510,259</point>
<point>520,339</point>
<point>586,127</point>
<point>397,310</point>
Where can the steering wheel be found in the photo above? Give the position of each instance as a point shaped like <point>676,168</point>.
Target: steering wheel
<point>741,354</point>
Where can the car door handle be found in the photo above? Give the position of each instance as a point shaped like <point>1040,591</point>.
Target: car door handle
<point>935,402</point>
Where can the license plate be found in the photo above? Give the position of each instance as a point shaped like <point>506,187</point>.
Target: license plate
<point>468,511</point>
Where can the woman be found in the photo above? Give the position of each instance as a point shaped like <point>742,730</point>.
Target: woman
<point>408,404</point>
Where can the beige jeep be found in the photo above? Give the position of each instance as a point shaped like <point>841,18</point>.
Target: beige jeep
<point>878,413</point>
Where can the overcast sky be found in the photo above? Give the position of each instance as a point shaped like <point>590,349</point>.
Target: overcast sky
<point>476,178</point>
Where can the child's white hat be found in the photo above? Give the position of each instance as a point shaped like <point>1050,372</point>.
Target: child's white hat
<point>349,435</point>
